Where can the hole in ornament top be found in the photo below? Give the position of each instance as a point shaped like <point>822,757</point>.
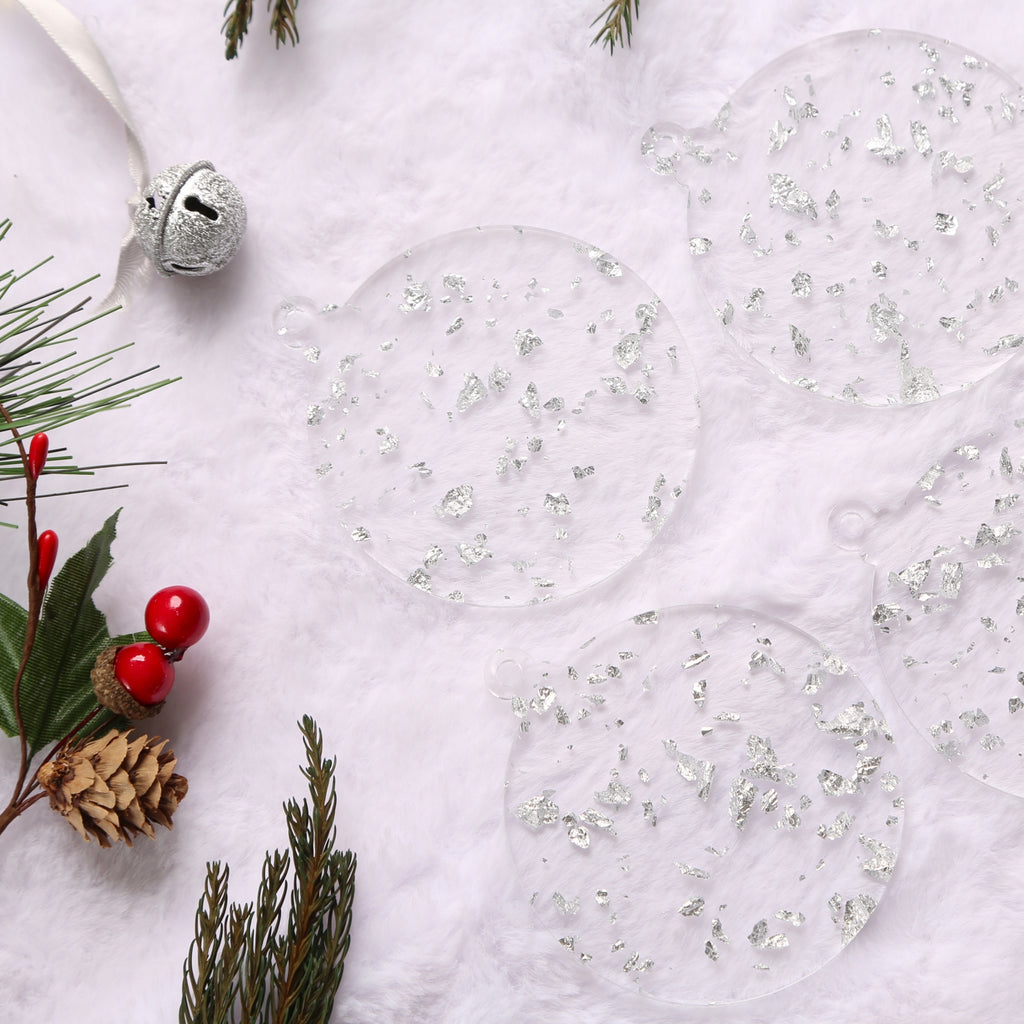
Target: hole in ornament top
<point>502,415</point>
<point>853,216</point>
<point>196,205</point>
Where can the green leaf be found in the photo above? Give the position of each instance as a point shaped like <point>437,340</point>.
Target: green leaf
<point>56,693</point>
<point>13,620</point>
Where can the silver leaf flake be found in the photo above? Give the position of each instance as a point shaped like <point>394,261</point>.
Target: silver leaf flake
<point>883,144</point>
<point>577,833</point>
<point>801,284</point>
<point>839,827</point>
<point>790,197</point>
<point>696,659</point>
<point>360,534</point>
<point>741,799</point>
<point>695,769</point>
<point>643,394</point>
<point>526,341</point>
<point>919,133</point>
<point>457,502</point>
<point>764,762</point>
<point>793,917</point>
<point>615,795</point>
<point>856,914</point>
<point>599,820</point>
<point>473,390</point>
<point>760,939</point>
<point>852,722</point>
<point>419,579</point>
<point>946,223</point>
<point>616,385</point>
<point>416,298</point>
<point>716,930</point>
<point>557,504</point>
<point>530,401</point>
<point>769,800</point>
<point>568,907</point>
<point>538,811</point>
<point>882,860</point>
<point>692,908</point>
<point>646,618</point>
<point>627,351</point>
<point>699,692</point>
<point>456,325</point>
<point>790,819</point>
<point>688,869</point>
<point>801,343</point>
<point>885,319</point>
<point>699,246</point>
<point>498,378</point>
<point>605,263</point>
<point>709,950</point>
<point>475,552</point>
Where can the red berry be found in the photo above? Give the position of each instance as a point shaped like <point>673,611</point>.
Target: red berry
<point>37,452</point>
<point>144,671</point>
<point>47,546</point>
<point>177,617</point>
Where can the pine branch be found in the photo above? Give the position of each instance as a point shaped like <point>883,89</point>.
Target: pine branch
<point>618,20</point>
<point>282,21</point>
<point>244,966</point>
<point>238,14</point>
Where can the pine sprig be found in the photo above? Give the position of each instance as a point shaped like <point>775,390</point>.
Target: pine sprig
<point>243,966</point>
<point>238,16</point>
<point>617,19</point>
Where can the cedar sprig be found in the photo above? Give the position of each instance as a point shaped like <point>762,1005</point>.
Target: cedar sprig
<point>617,19</point>
<point>238,16</point>
<point>243,966</point>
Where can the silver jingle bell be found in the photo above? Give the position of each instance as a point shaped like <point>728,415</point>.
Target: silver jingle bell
<point>191,220</point>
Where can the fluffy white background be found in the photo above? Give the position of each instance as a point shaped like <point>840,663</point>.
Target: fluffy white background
<point>391,123</point>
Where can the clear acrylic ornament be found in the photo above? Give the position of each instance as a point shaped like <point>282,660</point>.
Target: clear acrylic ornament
<point>949,595</point>
<point>853,215</point>
<point>703,803</point>
<point>500,416</point>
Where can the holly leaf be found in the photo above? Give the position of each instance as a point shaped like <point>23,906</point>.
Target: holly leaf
<point>13,621</point>
<point>56,692</point>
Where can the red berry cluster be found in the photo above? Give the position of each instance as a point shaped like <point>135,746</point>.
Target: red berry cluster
<point>176,618</point>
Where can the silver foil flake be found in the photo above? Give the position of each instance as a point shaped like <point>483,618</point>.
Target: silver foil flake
<point>530,400</point>
<point>693,907</point>
<point>473,390</point>
<point>832,203</point>
<point>646,315</point>
<point>567,907</point>
<point>793,917</point>
<point>696,659</point>
<point>919,133</point>
<point>914,576</point>
<point>769,800</point>
<point>415,298</point>
<point>883,144</point>
<point>457,502</point>
<point>614,795</point>
<point>839,827</point>
<point>785,192</point>
<point>709,950</point>
<point>699,246</point>
<point>974,719</point>
<point>699,692</point>
<point>498,378</point>
<point>454,282</point>
<point>716,930</point>
<point>643,394</point>
<point>616,385</point>
<point>627,351</point>
<point>557,504</point>
<point>764,762</point>
<point>419,579</point>
<point>646,618</point>
<point>576,833</point>
<point>834,784</point>
<point>885,319</point>
<point>801,284</point>
<point>605,263</point>
<point>741,799</point>
<point>1005,463</point>
<point>760,939</point>
<point>758,659</point>
<point>538,811</point>
<point>475,552</point>
<point>360,534</point>
<point>526,341</point>
<point>601,897</point>
<point>790,819</point>
<point>882,861</point>
<point>801,343</point>
<point>990,742</point>
<point>1014,704</point>
<point>456,325</point>
<point>946,223</point>
<point>695,769</point>
<point>856,914</point>
<point>884,230</point>
<point>579,472</point>
<point>555,404</point>
<point>688,869</point>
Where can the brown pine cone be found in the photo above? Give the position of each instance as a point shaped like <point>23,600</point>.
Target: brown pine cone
<point>115,787</point>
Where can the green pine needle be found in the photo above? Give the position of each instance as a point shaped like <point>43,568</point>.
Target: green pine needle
<point>246,966</point>
<point>618,22</point>
<point>238,16</point>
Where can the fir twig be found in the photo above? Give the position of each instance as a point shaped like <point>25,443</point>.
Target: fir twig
<point>618,21</point>
<point>238,14</point>
<point>282,21</point>
<point>246,967</point>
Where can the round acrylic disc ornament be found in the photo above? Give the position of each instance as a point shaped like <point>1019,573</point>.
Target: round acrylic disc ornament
<point>949,596</point>
<point>704,804</point>
<point>502,415</point>
<point>853,215</point>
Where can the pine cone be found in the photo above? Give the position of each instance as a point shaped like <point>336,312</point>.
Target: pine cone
<point>111,694</point>
<point>115,787</point>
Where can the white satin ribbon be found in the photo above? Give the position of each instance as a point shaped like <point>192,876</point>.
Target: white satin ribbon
<point>78,46</point>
